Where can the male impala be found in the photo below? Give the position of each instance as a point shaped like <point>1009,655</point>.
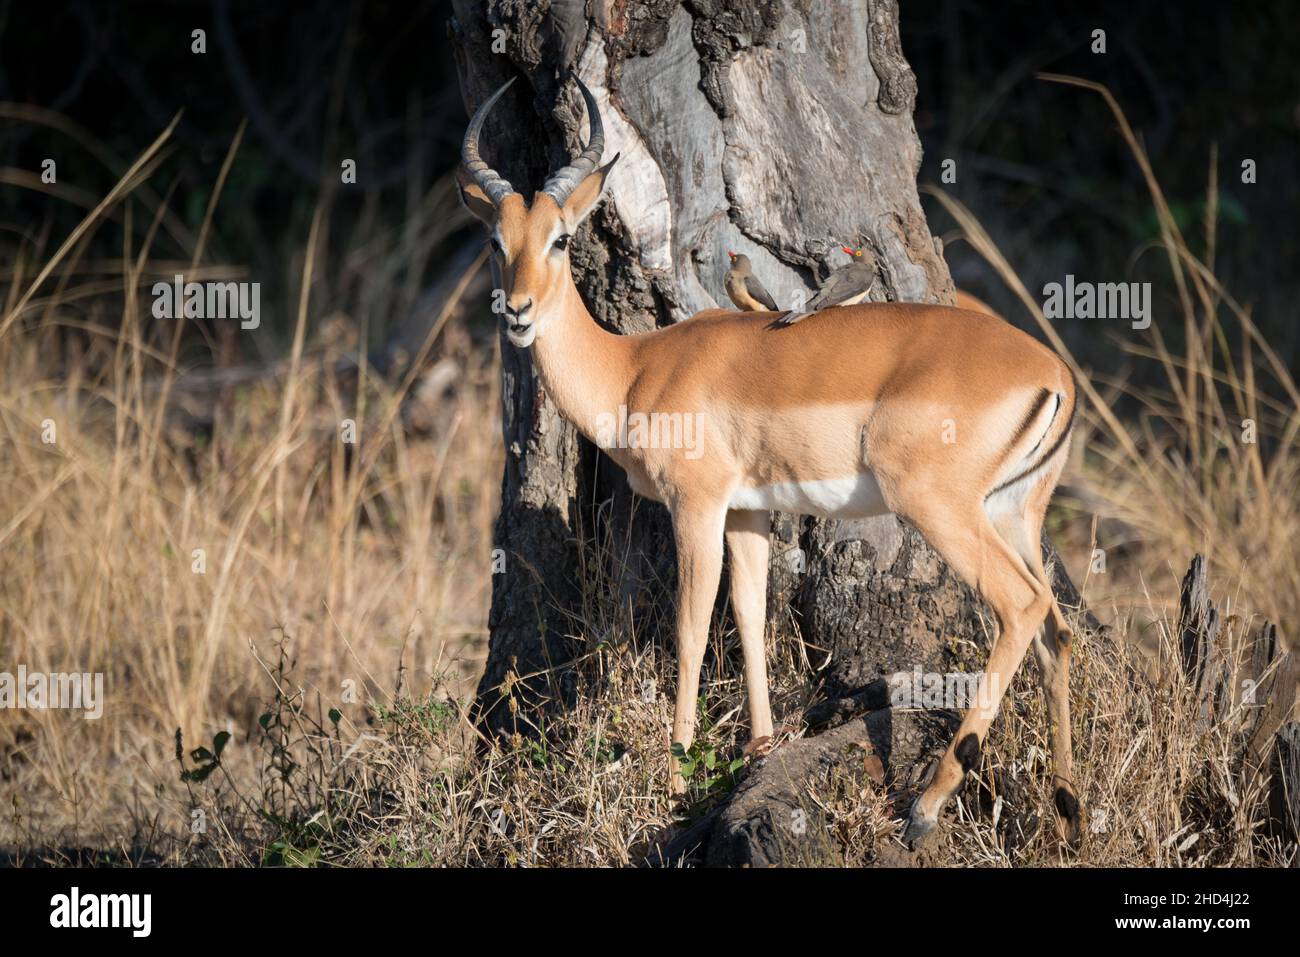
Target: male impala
<point>948,418</point>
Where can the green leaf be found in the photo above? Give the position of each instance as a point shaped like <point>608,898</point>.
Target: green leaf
<point>307,857</point>
<point>336,715</point>
<point>200,754</point>
<point>219,742</point>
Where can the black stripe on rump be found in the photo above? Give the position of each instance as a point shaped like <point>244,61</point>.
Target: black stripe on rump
<point>1056,446</point>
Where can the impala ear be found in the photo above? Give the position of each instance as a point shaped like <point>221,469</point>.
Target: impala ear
<point>475,200</point>
<point>584,199</point>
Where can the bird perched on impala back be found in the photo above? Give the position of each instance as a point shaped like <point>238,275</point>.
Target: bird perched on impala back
<point>744,288</point>
<point>846,286</point>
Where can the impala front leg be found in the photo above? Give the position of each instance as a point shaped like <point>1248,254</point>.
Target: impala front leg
<point>698,532</point>
<point>748,547</point>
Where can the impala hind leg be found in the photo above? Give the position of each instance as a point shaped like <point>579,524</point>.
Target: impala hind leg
<point>698,533</point>
<point>748,547</point>
<point>1052,647</point>
<point>972,547</point>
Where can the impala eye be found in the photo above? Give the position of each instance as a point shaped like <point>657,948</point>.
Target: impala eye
<point>562,243</point>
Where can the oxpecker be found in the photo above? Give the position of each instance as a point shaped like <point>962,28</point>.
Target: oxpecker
<point>846,286</point>
<point>744,288</point>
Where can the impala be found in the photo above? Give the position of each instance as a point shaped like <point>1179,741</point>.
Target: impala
<point>948,418</point>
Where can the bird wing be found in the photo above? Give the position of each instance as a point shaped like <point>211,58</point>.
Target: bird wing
<point>759,294</point>
<point>843,284</point>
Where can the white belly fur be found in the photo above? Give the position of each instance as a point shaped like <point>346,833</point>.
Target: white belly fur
<point>857,496</point>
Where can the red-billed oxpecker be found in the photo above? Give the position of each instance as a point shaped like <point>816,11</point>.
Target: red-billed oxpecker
<point>846,286</point>
<point>744,288</point>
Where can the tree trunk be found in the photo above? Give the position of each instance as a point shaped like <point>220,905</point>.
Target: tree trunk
<point>778,129</point>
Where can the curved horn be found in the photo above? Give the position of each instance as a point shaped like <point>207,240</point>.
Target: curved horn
<point>491,182</point>
<point>565,181</point>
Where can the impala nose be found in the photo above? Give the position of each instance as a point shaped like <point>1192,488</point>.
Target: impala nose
<point>517,316</point>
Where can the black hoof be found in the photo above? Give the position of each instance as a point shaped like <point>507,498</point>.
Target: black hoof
<point>1069,817</point>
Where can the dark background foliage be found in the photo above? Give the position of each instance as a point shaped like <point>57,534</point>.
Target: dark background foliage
<point>1041,165</point>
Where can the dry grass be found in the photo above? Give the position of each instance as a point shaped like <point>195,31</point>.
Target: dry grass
<point>332,568</point>
<point>370,555</point>
<point>1159,787</point>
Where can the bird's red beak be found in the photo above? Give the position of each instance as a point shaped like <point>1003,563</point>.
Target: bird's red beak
<point>847,250</point>
<point>730,254</point>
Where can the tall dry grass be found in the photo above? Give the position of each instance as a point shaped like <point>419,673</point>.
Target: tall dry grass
<point>167,529</point>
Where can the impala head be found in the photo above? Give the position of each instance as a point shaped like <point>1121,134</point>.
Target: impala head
<point>531,240</point>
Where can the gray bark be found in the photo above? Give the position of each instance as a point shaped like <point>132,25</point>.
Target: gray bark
<point>777,129</point>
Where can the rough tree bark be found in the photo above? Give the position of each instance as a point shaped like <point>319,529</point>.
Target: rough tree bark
<point>778,128</point>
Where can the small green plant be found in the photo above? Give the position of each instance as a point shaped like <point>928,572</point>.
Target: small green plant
<point>603,750</point>
<point>206,761</point>
<point>705,770</point>
<point>283,854</point>
<point>428,715</point>
<point>540,754</point>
